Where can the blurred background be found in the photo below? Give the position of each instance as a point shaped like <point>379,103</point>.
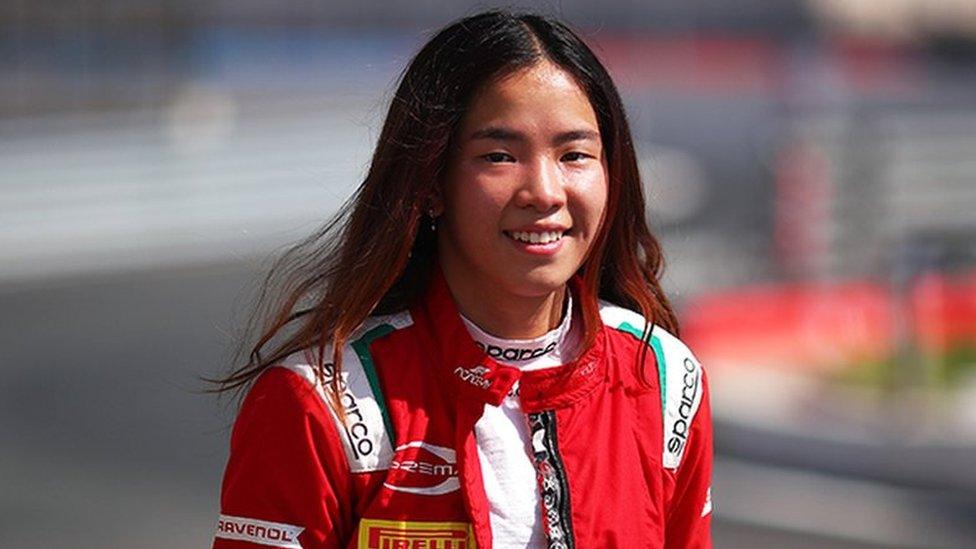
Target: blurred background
<point>810,169</point>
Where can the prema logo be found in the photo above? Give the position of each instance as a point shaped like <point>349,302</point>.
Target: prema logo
<point>273,534</point>
<point>474,375</point>
<point>423,469</point>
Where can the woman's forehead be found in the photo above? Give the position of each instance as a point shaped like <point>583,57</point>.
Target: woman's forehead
<point>542,94</point>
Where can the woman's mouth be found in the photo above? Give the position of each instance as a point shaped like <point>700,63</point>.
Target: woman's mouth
<point>537,242</point>
<point>544,237</point>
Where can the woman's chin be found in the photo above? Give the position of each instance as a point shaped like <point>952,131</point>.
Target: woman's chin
<point>539,283</point>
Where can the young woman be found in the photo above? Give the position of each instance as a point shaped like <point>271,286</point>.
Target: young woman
<point>483,357</point>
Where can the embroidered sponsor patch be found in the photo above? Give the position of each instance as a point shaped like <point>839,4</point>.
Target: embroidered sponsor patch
<point>474,375</point>
<point>272,534</point>
<point>395,534</point>
<point>423,469</point>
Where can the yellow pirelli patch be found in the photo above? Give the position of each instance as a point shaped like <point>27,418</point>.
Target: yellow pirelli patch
<point>398,534</point>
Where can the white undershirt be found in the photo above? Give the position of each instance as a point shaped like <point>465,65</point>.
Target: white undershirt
<point>504,440</point>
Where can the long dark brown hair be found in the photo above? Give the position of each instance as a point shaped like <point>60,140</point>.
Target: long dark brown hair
<point>375,255</point>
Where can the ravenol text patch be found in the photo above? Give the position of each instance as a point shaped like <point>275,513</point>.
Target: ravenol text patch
<point>262,532</point>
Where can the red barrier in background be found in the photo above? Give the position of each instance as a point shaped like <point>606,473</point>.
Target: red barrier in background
<point>944,311</point>
<point>825,326</point>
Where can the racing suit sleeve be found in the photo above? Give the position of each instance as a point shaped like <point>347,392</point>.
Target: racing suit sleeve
<point>287,483</point>
<point>690,514</point>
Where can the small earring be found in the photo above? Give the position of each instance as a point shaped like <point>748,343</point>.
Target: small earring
<point>433,220</point>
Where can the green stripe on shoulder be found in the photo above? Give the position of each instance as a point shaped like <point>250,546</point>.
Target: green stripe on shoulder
<point>658,354</point>
<point>361,346</point>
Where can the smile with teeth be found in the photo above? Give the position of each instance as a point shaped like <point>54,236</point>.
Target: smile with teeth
<point>545,237</point>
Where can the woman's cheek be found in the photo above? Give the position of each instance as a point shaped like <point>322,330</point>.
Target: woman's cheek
<point>593,180</point>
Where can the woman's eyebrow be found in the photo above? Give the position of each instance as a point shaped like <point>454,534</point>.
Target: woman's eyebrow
<point>499,133</point>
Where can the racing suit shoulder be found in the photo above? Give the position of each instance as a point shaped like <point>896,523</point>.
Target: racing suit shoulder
<point>296,462</point>
<point>364,421</point>
<point>687,434</point>
<point>680,375</point>
<point>286,483</point>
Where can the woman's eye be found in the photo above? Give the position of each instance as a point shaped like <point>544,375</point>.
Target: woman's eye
<point>497,157</point>
<point>574,156</point>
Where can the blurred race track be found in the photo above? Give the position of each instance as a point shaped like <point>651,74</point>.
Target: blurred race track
<point>109,441</point>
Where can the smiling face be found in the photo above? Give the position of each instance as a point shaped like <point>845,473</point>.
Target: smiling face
<point>525,188</point>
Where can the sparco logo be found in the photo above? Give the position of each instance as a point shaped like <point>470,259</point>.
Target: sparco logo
<point>514,354</point>
<point>355,426</point>
<point>424,469</point>
<point>474,375</point>
<point>679,433</point>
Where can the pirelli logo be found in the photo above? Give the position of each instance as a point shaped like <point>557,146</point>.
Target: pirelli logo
<point>395,534</point>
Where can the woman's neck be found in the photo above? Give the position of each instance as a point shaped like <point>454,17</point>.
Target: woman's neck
<point>508,316</point>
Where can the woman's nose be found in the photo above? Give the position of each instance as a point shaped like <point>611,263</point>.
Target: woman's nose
<point>542,187</point>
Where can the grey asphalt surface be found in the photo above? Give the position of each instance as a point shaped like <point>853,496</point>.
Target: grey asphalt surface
<point>109,441</point>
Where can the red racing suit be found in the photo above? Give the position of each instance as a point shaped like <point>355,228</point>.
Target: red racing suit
<point>620,463</point>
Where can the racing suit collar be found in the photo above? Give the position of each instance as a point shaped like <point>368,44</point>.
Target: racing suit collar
<point>473,375</point>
